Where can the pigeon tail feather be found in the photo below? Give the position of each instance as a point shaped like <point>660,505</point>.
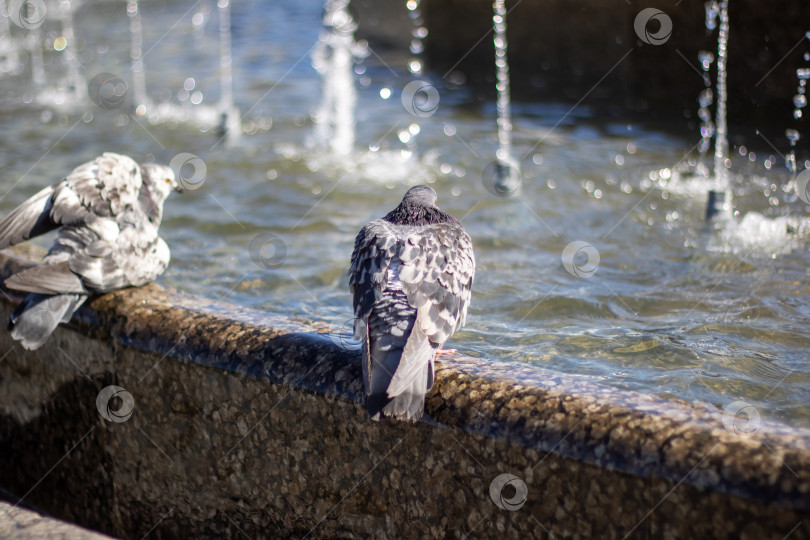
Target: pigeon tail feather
<point>37,316</point>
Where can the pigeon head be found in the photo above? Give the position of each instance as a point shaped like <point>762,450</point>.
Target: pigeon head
<point>160,180</point>
<point>418,207</point>
<point>420,195</point>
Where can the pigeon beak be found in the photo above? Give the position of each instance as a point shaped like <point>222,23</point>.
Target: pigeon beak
<point>178,188</point>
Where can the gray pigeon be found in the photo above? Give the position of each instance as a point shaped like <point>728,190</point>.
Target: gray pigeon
<point>411,278</point>
<point>108,212</point>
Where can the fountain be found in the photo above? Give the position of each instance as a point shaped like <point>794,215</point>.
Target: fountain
<point>418,34</point>
<point>506,170</point>
<point>721,136</point>
<point>63,86</point>
<point>333,58</point>
<point>33,43</point>
<point>705,100</point>
<point>223,116</point>
<point>419,98</point>
<point>230,120</point>
<point>136,54</point>
<point>719,197</point>
<point>9,51</point>
<point>337,57</point>
<point>799,103</point>
<point>71,90</point>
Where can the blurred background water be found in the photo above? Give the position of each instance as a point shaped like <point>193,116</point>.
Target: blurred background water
<point>676,307</point>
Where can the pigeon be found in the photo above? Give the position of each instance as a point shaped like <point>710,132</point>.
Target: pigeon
<point>411,277</point>
<point>108,212</point>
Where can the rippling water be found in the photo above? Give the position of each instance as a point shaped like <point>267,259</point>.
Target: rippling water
<point>675,307</point>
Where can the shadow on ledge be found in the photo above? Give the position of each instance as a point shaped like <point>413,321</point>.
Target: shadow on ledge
<point>247,424</point>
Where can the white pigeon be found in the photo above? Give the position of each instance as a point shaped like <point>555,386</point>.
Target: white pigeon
<point>108,212</point>
<point>411,278</point>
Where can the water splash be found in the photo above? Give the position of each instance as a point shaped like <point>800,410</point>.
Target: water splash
<point>799,103</point>
<point>507,171</point>
<point>334,58</point>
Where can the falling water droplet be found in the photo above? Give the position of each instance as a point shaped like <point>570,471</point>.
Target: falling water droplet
<point>712,11</point>
<point>793,136</point>
<point>705,97</point>
<point>790,161</point>
<point>706,58</point>
<point>799,101</point>
<point>803,73</point>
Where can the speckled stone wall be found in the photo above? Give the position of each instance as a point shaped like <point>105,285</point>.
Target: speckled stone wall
<point>247,424</point>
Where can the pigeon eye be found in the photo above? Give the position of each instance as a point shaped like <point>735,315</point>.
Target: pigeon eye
<point>168,180</point>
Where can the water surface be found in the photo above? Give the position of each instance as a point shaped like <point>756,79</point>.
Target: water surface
<point>675,307</point>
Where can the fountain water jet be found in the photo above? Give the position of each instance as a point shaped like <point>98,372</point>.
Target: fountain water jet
<point>721,135</point>
<point>705,100</point>
<point>74,88</point>
<point>230,119</point>
<point>337,58</point>
<point>223,116</point>
<point>507,171</point>
<point>9,51</point>
<point>334,58</point>
<point>719,198</point>
<point>142,103</point>
<point>415,65</point>
<point>799,103</point>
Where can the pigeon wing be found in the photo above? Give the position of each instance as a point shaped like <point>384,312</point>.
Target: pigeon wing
<point>142,264</point>
<point>374,249</point>
<point>97,267</point>
<point>438,267</point>
<point>47,279</point>
<point>104,187</point>
<point>30,219</point>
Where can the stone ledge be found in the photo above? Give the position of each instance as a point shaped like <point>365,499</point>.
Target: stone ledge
<point>244,400</point>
